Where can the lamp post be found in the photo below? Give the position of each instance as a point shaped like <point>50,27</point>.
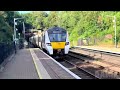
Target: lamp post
<point>15,32</point>
<point>24,30</point>
<point>114,25</point>
<point>15,28</point>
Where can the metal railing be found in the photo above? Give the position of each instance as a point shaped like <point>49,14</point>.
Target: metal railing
<point>6,49</point>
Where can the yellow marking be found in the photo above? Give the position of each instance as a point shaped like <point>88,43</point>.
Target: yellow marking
<point>39,75</point>
<point>58,45</point>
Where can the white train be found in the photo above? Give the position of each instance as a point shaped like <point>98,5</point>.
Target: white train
<point>54,41</point>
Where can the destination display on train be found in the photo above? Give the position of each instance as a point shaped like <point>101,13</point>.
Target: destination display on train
<point>56,31</point>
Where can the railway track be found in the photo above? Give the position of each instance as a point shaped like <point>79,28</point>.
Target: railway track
<point>82,66</point>
<point>89,70</point>
<point>110,58</point>
<point>87,74</point>
<point>98,54</point>
<point>112,64</point>
<point>83,57</point>
<point>86,67</point>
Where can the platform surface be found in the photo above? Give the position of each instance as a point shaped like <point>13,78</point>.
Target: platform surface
<point>107,49</point>
<point>33,63</point>
<point>20,67</point>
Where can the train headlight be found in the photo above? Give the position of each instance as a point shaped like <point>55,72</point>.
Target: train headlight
<point>67,43</point>
<point>49,44</point>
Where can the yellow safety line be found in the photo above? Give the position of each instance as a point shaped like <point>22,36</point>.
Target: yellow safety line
<point>40,76</point>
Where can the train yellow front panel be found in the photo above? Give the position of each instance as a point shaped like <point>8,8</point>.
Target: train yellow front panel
<point>58,45</point>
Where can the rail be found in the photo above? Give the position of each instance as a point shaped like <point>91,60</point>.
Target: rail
<point>100,72</point>
<point>85,71</point>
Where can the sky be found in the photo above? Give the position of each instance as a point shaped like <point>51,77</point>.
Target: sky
<point>23,12</point>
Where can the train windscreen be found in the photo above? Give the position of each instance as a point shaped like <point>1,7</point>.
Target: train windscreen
<point>57,36</point>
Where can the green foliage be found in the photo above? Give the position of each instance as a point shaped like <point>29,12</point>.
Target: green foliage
<point>36,19</point>
<point>6,25</point>
<point>79,24</point>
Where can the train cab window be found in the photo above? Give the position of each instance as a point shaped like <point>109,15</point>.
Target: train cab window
<point>60,37</point>
<point>57,34</point>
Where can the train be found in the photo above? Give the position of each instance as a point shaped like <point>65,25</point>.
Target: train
<point>54,41</point>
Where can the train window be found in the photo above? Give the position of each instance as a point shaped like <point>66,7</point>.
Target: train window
<point>58,37</point>
<point>57,34</point>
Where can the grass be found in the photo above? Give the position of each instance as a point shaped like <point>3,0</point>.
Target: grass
<point>73,43</point>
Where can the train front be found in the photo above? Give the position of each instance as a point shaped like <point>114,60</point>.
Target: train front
<point>59,41</point>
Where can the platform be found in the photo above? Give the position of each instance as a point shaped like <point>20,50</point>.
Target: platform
<point>112,49</point>
<point>33,63</point>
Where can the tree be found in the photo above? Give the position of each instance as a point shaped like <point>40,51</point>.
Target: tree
<point>79,24</point>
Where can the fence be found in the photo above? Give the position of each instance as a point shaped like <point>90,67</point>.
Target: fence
<point>88,41</point>
<point>6,49</point>
<point>97,41</point>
